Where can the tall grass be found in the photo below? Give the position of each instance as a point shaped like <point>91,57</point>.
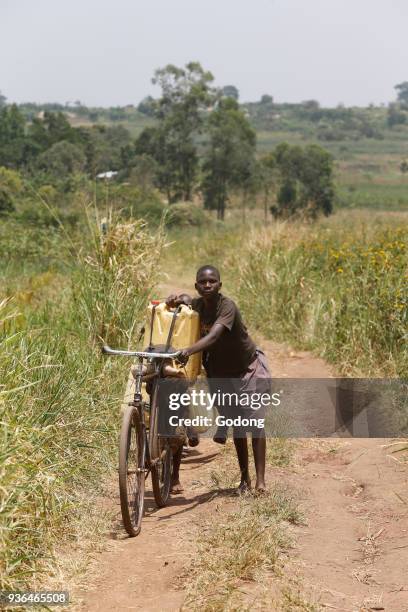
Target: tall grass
<point>338,287</point>
<point>341,291</point>
<point>58,397</point>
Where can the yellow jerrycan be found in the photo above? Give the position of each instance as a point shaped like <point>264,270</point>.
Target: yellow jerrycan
<point>176,328</point>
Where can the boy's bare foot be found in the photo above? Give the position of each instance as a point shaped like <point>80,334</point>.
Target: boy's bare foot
<point>260,487</point>
<point>193,437</point>
<point>221,435</point>
<point>244,488</point>
<point>176,487</point>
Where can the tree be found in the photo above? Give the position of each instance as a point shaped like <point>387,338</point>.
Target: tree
<point>305,180</point>
<point>266,99</point>
<point>186,93</point>
<point>12,136</point>
<point>230,91</point>
<point>267,179</point>
<point>404,166</point>
<point>143,172</point>
<point>147,106</point>
<point>3,100</point>
<point>395,116</point>
<point>402,93</point>
<point>311,105</point>
<point>62,159</point>
<point>10,188</point>
<point>155,143</point>
<point>230,156</point>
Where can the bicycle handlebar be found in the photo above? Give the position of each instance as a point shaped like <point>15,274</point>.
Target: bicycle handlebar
<point>147,355</point>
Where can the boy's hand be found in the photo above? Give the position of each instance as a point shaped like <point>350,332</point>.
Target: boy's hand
<point>171,301</point>
<point>175,300</point>
<point>183,356</point>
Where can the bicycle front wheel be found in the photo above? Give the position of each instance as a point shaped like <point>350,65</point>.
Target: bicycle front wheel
<point>161,454</point>
<point>132,471</point>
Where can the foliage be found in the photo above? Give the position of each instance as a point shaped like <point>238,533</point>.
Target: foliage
<point>59,399</point>
<point>37,146</point>
<point>147,106</point>
<point>10,188</point>
<point>230,91</point>
<point>364,142</point>
<point>61,159</point>
<point>186,214</point>
<point>230,155</point>
<point>266,99</point>
<point>305,181</point>
<point>132,201</point>
<point>142,172</point>
<point>395,115</point>
<point>312,121</point>
<point>404,166</point>
<point>338,288</point>
<point>12,141</point>
<point>186,93</point>
<point>402,93</point>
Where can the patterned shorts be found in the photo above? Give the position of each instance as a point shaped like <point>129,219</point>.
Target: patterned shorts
<point>248,388</point>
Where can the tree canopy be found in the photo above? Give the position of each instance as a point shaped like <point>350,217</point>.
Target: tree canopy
<point>186,95</point>
<point>305,179</point>
<point>231,153</point>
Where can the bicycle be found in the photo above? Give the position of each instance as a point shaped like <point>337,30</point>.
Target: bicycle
<point>141,450</point>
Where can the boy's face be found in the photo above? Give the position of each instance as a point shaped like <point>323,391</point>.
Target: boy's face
<point>208,284</point>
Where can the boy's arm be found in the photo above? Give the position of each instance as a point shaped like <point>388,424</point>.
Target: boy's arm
<point>224,322</point>
<point>204,343</point>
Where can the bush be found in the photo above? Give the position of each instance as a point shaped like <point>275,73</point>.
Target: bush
<point>186,214</point>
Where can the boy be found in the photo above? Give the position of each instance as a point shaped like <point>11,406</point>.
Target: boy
<point>231,355</point>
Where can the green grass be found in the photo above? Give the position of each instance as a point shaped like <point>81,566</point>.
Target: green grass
<point>59,398</point>
<point>337,287</point>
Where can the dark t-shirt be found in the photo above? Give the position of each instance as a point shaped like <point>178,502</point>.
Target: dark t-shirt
<point>234,350</point>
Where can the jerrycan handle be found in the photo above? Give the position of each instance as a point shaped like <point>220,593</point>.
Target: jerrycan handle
<point>155,304</point>
<point>171,330</point>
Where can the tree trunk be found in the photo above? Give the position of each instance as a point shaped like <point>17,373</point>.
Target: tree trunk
<point>244,197</point>
<point>266,205</point>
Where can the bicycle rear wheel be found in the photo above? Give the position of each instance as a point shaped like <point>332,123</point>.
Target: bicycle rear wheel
<point>131,471</point>
<point>161,454</point>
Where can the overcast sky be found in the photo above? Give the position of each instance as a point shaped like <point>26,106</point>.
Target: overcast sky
<point>105,52</point>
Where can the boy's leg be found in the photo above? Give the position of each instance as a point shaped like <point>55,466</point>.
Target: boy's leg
<point>241,446</point>
<point>259,450</point>
<point>221,434</point>
<point>176,486</point>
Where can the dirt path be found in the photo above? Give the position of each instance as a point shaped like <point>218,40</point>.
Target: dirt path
<point>351,555</point>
